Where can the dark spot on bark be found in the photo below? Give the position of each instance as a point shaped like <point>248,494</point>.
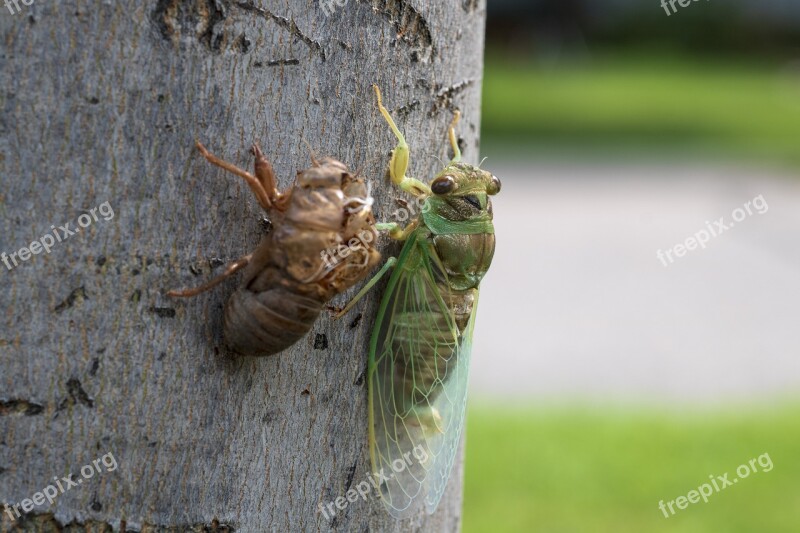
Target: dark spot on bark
<point>196,269</point>
<point>360,379</point>
<point>356,321</point>
<point>320,342</point>
<point>3,470</point>
<point>266,224</point>
<point>351,472</point>
<point>102,443</point>
<point>136,296</point>
<point>96,506</point>
<point>93,100</point>
<point>163,312</point>
<point>95,367</point>
<point>135,272</point>
<point>279,62</point>
<point>161,98</point>
<point>270,417</point>
<point>162,355</point>
<point>470,5</point>
<point>180,22</point>
<point>75,394</point>
<point>215,262</point>
<point>244,43</point>
<point>408,108</point>
<point>20,408</point>
<point>76,296</point>
<point>305,392</point>
<point>100,261</point>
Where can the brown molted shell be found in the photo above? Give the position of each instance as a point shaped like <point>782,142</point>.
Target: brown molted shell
<point>297,268</point>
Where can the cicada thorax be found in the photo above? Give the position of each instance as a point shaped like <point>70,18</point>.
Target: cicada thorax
<point>296,269</point>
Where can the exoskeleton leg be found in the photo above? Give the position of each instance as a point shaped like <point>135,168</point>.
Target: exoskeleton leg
<point>254,183</point>
<point>266,176</point>
<point>230,270</point>
<point>400,157</point>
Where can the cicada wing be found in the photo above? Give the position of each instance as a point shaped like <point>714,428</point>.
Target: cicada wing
<point>419,362</point>
<point>451,405</point>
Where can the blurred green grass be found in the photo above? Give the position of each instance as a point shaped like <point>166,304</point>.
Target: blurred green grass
<point>573,470</point>
<point>736,109</point>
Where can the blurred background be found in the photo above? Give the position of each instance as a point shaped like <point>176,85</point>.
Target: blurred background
<point>605,379</point>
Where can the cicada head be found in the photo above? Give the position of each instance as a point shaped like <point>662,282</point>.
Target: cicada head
<point>461,192</point>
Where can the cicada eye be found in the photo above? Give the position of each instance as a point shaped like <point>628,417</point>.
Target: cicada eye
<point>494,186</point>
<point>443,185</point>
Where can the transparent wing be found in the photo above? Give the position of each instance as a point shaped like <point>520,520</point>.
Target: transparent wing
<point>418,370</point>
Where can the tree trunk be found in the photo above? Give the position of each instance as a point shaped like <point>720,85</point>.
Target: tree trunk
<point>102,102</point>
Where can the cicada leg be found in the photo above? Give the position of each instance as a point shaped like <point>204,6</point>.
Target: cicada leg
<point>395,231</point>
<point>451,133</point>
<point>230,270</point>
<point>371,283</point>
<point>400,156</point>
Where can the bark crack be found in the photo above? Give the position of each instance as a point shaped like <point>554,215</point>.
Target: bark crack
<point>288,24</point>
<point>410,25</point>
<point>445,95</point>
<point>35,521</point>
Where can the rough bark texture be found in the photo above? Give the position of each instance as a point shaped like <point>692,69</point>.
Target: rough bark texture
<point>101,101</point>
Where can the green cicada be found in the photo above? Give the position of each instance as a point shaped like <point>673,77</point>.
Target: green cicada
<point>421,342</point>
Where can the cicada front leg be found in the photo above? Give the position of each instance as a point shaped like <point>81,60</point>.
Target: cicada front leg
<point>400,156</point>
<point>395,231</point>
<point>262,184</point>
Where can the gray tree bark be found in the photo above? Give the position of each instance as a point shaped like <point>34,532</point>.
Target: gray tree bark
<point>101,102</point>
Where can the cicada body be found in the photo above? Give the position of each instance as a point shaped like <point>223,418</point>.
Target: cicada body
<point>422,338</point>
<point>321,244</point>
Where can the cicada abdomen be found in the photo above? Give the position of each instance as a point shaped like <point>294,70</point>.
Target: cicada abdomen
<point>321,244</point>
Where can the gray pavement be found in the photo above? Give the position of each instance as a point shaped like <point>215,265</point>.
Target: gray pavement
<point>577,306</point>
